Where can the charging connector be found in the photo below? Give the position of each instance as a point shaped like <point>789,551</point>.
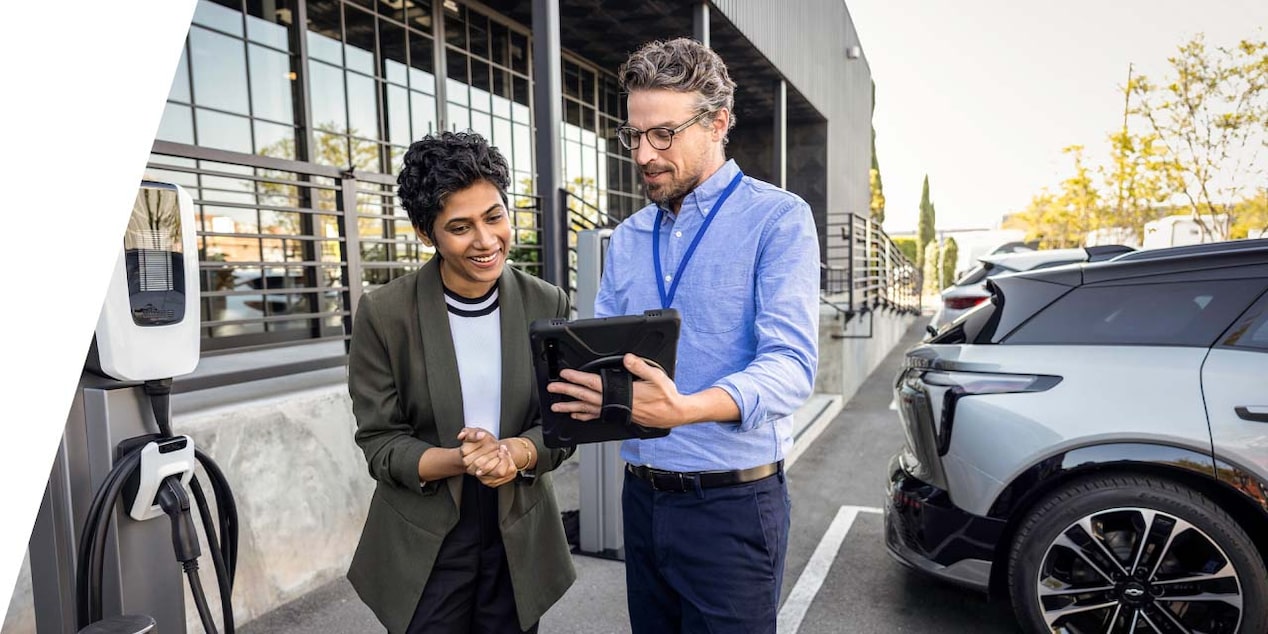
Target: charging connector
<point>173,500</point>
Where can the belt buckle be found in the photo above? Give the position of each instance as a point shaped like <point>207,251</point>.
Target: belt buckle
<point>668,478</point>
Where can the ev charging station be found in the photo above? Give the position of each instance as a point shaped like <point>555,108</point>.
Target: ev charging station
<point>101,553</point>
<point>601,472</point>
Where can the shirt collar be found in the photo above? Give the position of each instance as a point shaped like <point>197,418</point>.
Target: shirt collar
<point>706,193</point>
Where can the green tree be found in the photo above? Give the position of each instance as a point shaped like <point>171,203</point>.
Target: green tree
<point>877,187</point>
<point>931,268</point>
<point>907,246</point>
<point>925,225</point>
<point>1211,115</point>
<point>950,253</point>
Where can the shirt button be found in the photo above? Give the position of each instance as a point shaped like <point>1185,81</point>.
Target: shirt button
<point>669,278</point>
<point>677,234</point>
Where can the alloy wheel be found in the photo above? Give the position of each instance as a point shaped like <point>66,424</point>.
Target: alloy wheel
<point>1137,570</point>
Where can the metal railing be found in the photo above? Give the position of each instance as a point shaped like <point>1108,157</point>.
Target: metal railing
<point>582,215</point>
<point>877,275</point>
<point>287,248</point>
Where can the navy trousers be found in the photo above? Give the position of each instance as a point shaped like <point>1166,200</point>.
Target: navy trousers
<point>469,590</point>
<point>709,560</point>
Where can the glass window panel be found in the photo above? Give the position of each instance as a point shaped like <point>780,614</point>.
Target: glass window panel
<point>502,137</point>
<point>418,14</point>
<point>501,107</point>
<point>331,149</point>
<point>220,67</point>
<point>483,124</point>
<point>324,31</point>
<point>587,86</point>
<point>365,155</point>
<point>457,92</point>
<point>276,194</point>
<point>523,149</point>
<point>177,125</point>
<point>329,251</point>
<point>480,85</point>
<point>571,81</point>
<point>403,229</point>
<point>397,115</point>
<point>423,114</point>
<point>519,53</point>
<point>499,43</point>
<point>521,96</point>
<point>363,108</point>
<point>456,24</point>
<point>224,15</point>
<point>277,141</point>
<point>456,68</point>
<point>359,46</point>
<point>478,34</point>
<point>268,22</point>
<point>180,82</point>
<point>396,157</point>
<point>223,131</point>
<point>279,251</point>
<point>226,189</point>
<point>572,161</point>
<point>459,117</point>
<point>232,220</point>
<point>271,84</point>
<point>422,62</point>
<point>587,119</point>
<point>326,85</point>
<point>523,184</point>
<point>393,49</point>
<point>371,228</point>
<point>280,223</point>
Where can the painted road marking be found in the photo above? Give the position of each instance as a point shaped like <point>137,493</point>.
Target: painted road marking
<point>811,579</point>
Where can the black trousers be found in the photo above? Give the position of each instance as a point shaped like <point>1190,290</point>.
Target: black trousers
<point>469,590</point>
<point>705,561</point>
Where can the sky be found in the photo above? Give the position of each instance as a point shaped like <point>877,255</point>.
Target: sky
<point>982,95</point>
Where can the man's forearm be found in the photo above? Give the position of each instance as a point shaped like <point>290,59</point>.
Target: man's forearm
<point>711,405</point>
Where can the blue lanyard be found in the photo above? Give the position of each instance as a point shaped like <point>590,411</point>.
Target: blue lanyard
<point>667,298</point>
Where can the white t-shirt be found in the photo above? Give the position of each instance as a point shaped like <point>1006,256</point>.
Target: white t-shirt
<point>477,342</point>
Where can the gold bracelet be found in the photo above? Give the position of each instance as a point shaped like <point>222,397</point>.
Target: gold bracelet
<point>528,448</point>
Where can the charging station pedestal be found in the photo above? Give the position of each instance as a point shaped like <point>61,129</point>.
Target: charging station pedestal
<point>602,471</point>
<point>148,579</point>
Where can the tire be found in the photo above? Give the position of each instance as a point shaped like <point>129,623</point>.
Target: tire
<point>1078,548</point>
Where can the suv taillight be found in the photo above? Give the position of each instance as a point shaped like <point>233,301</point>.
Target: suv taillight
<point>961,384</point>
<point>961,303</point>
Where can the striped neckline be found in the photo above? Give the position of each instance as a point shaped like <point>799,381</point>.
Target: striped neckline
<point>471,306</point>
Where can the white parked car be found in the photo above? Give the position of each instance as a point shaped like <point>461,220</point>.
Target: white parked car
<point>970,289</point>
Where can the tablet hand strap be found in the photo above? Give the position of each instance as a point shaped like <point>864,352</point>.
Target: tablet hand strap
<point>618,394</point>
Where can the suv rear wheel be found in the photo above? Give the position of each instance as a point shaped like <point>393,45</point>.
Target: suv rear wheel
<point>1132,553</point>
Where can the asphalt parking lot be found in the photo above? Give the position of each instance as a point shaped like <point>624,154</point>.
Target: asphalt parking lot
<point>838,579</point>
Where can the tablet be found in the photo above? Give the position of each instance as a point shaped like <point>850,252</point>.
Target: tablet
<point>592,345</point>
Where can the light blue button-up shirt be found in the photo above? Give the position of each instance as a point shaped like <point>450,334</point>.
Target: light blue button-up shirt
<point>749,300</point>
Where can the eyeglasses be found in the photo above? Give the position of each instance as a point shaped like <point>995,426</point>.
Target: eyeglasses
<point>660,138</point>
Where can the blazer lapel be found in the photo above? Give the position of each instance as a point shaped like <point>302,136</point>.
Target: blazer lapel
<point>517,371</point>
<point>443,385</point>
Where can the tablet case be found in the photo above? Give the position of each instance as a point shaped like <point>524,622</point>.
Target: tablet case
<point>591,345</point>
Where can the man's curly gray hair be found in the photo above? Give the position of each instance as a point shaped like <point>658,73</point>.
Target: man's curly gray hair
<point>681,65</point>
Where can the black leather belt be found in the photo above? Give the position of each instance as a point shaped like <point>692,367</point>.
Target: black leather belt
<point>686,481</point>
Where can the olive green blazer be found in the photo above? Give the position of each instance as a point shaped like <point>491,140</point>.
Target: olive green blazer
<point>403,379</point>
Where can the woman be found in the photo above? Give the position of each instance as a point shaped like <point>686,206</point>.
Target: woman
<point>463,533</point>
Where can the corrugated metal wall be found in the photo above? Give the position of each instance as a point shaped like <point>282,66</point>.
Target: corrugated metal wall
<point>808,40</point>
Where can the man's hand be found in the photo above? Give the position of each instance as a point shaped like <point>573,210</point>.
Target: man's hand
<point>486,458</point>
<point>655,403</point>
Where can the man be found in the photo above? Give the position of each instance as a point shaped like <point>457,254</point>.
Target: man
<point>706,508</point>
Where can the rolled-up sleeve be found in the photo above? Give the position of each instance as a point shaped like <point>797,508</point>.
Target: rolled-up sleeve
<point>781,376</point>
<point>391,450</point>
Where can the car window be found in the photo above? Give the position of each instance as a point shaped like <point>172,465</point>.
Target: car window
<point>1167,314</point>
<point>1251,330</point>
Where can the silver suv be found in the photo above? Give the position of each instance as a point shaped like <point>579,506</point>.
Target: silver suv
<point>1093,443</point>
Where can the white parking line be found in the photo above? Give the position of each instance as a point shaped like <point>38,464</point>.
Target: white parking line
<point>811,579</point>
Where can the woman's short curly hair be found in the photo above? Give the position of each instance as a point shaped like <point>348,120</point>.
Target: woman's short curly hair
<point>439,165</point>
<point>681,65</point>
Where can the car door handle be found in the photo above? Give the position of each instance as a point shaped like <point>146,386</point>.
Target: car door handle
<point>1256,414</point>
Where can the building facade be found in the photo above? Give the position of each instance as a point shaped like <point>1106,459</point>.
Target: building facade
<point>287,121</point>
